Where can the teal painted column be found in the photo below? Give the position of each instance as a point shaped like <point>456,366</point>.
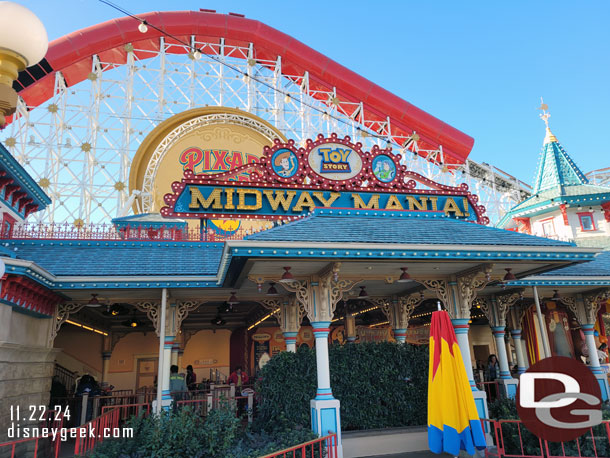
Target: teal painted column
<point>516,335</point>
<point>325,409</point>
<point>602,379</point>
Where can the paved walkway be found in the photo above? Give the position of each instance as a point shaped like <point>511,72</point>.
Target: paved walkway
<point>416,455</point>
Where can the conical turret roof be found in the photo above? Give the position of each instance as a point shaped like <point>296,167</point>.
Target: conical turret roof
<point>558,181</point>
<point>556,169</point>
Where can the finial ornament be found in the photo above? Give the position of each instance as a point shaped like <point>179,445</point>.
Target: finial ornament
<point>545,114</point>
<point>549,137</point>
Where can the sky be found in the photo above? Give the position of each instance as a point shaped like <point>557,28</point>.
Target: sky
<point>480,66</point>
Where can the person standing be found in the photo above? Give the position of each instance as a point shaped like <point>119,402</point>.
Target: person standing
<point>239,379</point>
<point>177,385</point>
<point>191,378</point>
<point>492,372</point>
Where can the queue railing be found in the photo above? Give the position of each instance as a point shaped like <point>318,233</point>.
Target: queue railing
<point>322,447</point>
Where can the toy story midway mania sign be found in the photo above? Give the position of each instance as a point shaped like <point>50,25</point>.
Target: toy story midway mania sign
<point>331,173</point>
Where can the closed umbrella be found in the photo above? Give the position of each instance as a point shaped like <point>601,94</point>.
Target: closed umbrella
<point>453,420</point>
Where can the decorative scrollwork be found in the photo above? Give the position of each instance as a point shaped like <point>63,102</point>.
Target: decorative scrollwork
<point>182,310</point>
<point>585,307</point>
<point>324,287</point>
<point>62,313</point>
<point>468,286</point>
<point>152,310</point>
<point>484,303</point>
<point>592,303</point>
<point>440,287</point>
<point>503,303</point>
<point>406,305</point>
<point>274,306</point>
<point>398,311</point>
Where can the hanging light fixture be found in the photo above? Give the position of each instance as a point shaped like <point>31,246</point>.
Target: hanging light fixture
<point>132,323</point>
<point>218,321</point>
<point>225,308</point>
<point>93,302</point>
<point>509,275</point>
<point>233,299</point>
<point>286,276</point>
<point>363,294</point>
<point>556,295</point>
<point>272,291</point>
<point>404,277</point>
<point>143,28</point>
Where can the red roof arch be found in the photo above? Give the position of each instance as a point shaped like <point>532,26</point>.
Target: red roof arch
<point>73,54</point>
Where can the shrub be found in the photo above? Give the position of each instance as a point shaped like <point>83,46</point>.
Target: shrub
<point>184,434</point>
<point>180,434</point>
<point>379,385</point>
<point>254,444</point>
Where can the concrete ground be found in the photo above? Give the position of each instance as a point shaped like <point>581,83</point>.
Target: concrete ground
<point>426,454</point>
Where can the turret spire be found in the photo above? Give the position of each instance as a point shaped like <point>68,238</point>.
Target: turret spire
<point>556,169</point>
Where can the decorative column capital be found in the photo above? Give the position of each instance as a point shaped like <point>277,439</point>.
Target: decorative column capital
<point>468,284</point>
<point>152,310</point>
<point>496,308</point>
<point>586,307</point>
<point>398,310</point>
<point>326,288</point>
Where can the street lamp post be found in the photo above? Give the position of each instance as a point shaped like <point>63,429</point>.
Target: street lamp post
<point>23,43</point>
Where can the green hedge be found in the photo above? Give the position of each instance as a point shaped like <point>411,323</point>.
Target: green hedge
<point>184,434</point>
<point>379,385</point>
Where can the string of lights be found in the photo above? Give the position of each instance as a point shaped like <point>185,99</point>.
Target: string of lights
<point>88,328</point>
<point>265,318</point>
<point>379,324</point>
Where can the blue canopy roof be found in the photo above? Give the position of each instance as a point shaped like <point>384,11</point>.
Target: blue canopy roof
<point>89,258</point>
<point>374,227</point>
<point>598,267</point>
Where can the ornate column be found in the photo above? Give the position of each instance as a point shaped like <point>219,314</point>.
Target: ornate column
<point>350,328</point>
<point>515,315</point>
<point>176,350</point>
<point>541,324</point>
<point>167,330</point>
<point>458,293</point>
<point>496,309</point>
<point>289,314</point>
<point>585,308</point>
<point>318,295</point>
<point>398,310</point>
<point>106,353</point>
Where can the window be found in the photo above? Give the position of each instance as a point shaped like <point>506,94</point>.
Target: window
<point>548,228</point>
<point>586,222</point>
